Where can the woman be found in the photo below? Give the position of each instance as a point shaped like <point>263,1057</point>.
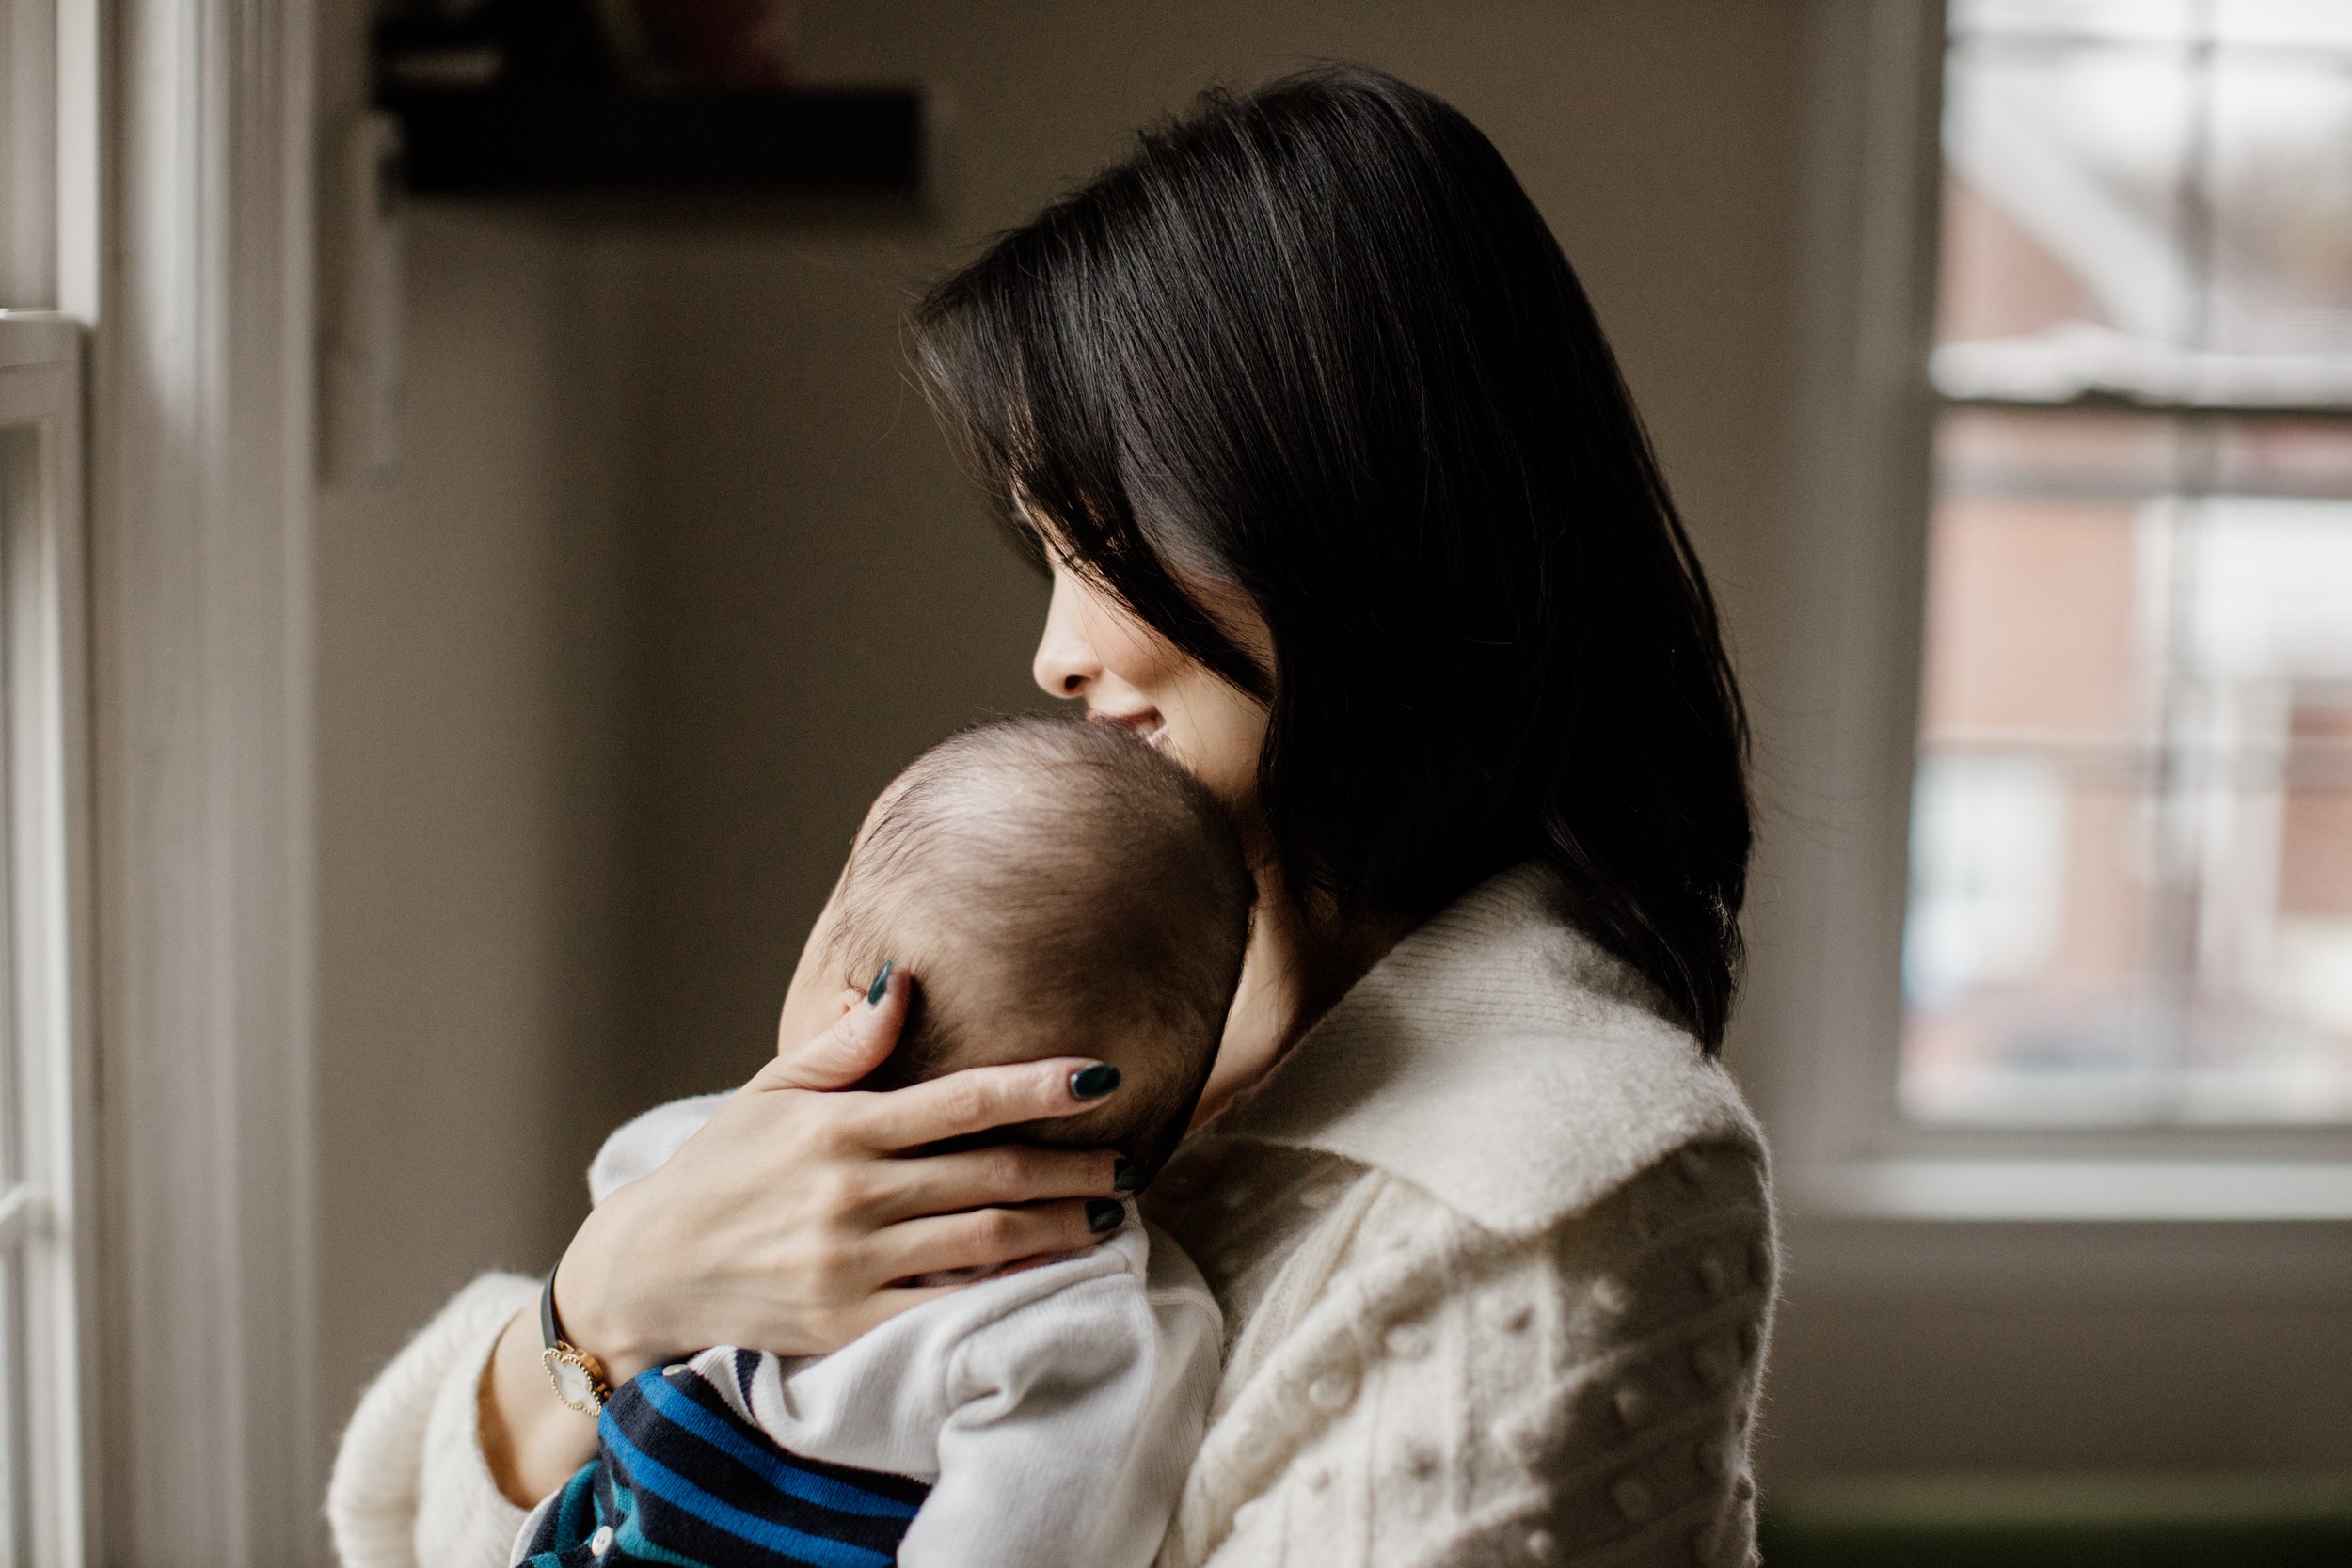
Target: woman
<point>1346,506</point>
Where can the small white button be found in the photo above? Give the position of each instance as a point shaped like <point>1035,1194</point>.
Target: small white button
<point>1332,1391</point>
<point>676,1369</point>
<point>1532,1442</point>
<point>1540,1545</point>
<point>1634,1499</point>
<point>1633,1404</point>
<point>1407,1341</point>
<point>601,1542</point>
<point>1611,1296</point>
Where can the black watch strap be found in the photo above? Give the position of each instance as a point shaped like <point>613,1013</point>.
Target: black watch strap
<point>550,1326</point>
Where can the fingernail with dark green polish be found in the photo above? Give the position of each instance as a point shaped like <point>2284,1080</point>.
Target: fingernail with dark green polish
<point>1104,1213</point>
<point>1125,1177</point>
<point>1093,1083</point>
<point>882,983</point>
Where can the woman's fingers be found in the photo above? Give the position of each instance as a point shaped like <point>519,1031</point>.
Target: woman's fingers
<point>980,1099</point>
<point>985,1237</point>
<point>884,1304</point>
<point>852,1048</point>
<point>990,1177</point>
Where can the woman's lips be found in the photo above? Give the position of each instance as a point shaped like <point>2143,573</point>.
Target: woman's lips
<point>1145,727</point>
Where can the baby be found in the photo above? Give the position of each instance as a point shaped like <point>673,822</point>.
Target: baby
<point>1053,888</point>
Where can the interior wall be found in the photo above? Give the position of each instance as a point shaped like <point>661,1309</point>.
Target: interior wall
<point>469,692</point>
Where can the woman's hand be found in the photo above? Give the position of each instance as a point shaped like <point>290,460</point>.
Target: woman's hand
<point>787,1222</point>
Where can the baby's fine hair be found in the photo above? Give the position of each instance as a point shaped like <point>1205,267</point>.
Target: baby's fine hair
<point>1065,880</point>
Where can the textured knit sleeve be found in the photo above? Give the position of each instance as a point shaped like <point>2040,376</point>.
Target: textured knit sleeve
<point>410,1487</point>
<point>1654,1314</point>
<point>1453,1398</point>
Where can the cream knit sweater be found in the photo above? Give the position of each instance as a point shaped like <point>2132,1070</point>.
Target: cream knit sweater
<point>1495,1248</point>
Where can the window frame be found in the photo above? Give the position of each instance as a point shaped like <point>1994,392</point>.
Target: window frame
<point>51,1099</point>
<point>1826,1006</point>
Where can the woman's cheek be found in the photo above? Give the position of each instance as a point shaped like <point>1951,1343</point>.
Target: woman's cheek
<point>1135,655</point>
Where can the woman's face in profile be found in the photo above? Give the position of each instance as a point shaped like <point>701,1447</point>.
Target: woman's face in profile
<point>1127,673</point>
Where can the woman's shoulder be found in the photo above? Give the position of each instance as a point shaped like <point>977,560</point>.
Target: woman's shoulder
<point>1608,1363</point>
<point>1504,1062</point>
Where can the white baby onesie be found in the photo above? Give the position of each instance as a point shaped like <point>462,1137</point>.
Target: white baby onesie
<point>1053,1412</point>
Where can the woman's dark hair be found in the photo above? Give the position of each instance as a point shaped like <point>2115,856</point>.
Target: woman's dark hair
<point>1317,344</point>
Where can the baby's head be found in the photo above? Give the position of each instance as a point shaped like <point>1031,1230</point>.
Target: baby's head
<point>1054,889</point>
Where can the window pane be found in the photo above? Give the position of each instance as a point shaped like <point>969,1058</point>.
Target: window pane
<point>20,454</point>
<point>2152,202</point>
<point>20,476</point>
<point>28,154</point>
<point>2063,221</point>
<point>2131,884</point>
<point>2281,210</point>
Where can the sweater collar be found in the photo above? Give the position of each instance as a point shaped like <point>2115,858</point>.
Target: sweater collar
<point>1502,1061</point>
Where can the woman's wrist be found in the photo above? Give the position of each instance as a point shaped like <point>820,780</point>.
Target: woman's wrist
<point>530,1439</point>
<point>595,1319</point>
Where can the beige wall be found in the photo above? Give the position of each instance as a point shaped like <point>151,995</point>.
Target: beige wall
<point>468,699</point>
<point>680,572</point>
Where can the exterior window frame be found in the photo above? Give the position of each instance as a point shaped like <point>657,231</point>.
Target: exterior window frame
<point>1877,1195</point>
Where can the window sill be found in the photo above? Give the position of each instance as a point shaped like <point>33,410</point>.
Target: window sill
<point>2080,1189</point>
<point>2183,1231</point>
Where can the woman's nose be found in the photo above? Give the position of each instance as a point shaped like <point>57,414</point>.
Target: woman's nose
<point>1065,665</point>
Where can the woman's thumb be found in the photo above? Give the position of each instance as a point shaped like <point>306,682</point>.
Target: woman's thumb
<point>855,1044</point>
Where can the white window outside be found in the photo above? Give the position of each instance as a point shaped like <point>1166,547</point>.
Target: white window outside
<point>2054,920</point>
<point>2131,852</point>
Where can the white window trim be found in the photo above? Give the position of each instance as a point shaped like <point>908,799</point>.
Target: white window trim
<point>211,1446</point>
<point>1826,1007</point>
<point>48,1219</point>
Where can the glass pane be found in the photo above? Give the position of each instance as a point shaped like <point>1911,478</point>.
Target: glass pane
<point>2145,20</point>
<point>19,472</point>
<point>2283,23</point>
<point>28,154</point>
<point>2061,214</point>
<point>2152,202</point>
<point>20,475</point>
<point>2131,862</point>
<point>2282,214</point>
